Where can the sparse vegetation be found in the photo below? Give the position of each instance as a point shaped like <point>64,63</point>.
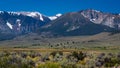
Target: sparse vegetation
<point>66,52</point>
<point>58,59</point>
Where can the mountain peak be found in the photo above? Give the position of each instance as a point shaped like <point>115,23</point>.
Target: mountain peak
<point>59,14</point>
<point>1,11</point>
<point>99,17</point>
<point>55,17</point>
<point>33,14</point>
<point>93,10</point>
<point>30,14</point>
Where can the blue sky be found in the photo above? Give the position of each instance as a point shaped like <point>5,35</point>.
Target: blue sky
<point>52,7</point>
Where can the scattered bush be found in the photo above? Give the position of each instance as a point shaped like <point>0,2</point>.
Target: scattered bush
<point>56,59</point>
<point>79,55</point>
<point>49,65</point>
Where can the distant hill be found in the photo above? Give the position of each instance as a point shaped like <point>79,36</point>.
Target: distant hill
<point>34,40</point>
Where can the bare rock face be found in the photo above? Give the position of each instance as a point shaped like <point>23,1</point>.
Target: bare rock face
<point>99,17</point>
<point>94,16</point>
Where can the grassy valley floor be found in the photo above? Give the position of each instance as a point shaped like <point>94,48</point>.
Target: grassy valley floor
<point>33,51</point>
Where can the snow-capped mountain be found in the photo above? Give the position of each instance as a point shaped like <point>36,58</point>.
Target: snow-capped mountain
<point>18,23</point>
<point>55,17</point>
<point>35,15</point>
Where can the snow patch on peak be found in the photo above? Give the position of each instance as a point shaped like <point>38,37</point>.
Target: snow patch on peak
<point>9,25</point>
<point>52,17</point>
<point>30,14</point>
<point>18,22</point>
<point>41,18</point>
<point>1,11</point>
<point>17,13</point>
<point>59,14</point>
<point>94,10</point>
<point>33,14</point>
<point>55,17</point>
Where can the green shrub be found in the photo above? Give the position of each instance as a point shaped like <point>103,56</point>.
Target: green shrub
<point>69,66</point>
<point>49,65</point>
<point>79,55</point>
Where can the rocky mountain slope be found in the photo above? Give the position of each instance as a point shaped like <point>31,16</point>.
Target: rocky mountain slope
<point>98,17</point>
<point>85,22</point>
<point>18,23</point>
